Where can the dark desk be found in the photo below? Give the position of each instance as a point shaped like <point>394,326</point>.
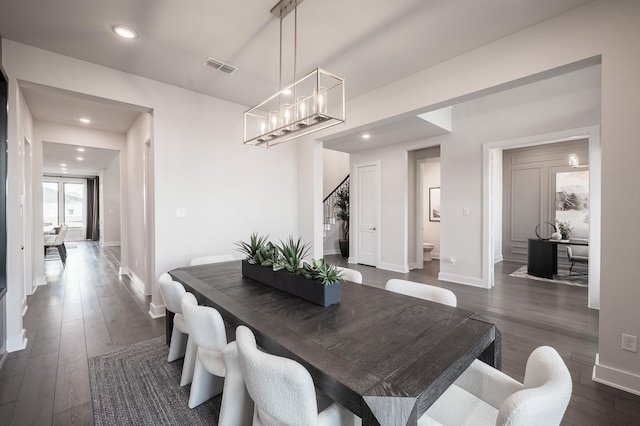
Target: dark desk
<point>385,356</point>
<point>542,256</point>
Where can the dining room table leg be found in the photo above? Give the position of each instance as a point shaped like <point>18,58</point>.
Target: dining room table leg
<point>492,355</point>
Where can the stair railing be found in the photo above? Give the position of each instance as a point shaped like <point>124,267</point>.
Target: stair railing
<point>329,206</point>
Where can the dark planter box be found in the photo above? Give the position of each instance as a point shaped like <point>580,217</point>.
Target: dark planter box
<point>308,289</point>
<point>344,248</point>
<point>262,274</point>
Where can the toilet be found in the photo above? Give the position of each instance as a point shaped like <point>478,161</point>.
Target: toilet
<point>426,248</point>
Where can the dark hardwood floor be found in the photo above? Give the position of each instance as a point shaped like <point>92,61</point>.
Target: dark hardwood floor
<point>86,309</point>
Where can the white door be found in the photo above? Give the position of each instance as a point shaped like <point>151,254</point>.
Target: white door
<point>367,194</point>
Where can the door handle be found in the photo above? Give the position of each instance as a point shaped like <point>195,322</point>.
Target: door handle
<point>372,229</point>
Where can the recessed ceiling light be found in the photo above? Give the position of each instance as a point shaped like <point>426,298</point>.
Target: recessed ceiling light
<point>366,136</point>
<point>80,149</point>
<point>63,165</point>
<point>64,171</point>
<point>85,120</point>
<point>124,32</point>
<point>286,92</point>
<point>79,158</point>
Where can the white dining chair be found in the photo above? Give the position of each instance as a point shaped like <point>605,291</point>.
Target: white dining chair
<point>217,368</point>
<point>283,390</point>
<point>203,260</point>
<point>483,395</point>
<point>173,292</point>
<point>350,274</point>
<point>422,291</point>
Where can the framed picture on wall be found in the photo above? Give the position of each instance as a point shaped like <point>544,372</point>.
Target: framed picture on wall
<point>434,204</point>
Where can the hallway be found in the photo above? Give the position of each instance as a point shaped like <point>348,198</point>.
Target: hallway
<point>85,309</point>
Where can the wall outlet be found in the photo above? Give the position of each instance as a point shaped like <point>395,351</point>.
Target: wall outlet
<point>452,261</point>
<point>630,343</point>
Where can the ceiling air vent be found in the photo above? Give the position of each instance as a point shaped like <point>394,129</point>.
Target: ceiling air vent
<point>220,66</point>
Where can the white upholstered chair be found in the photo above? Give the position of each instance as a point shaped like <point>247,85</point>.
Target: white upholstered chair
<point>577,254</point>
<point>350,274</point>
<point>283,390</point>
<point>423,291</point>
<point>217,368</point>
<point>211,259</point>
<point>483,395</point>
<point>173,292</point>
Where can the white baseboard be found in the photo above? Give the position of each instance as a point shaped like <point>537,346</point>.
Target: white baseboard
<point>413,265</point>
<point>24,306</point>
<point>41,281</point>
<point>18,343</point>
<point>615,378</point>
<point>156,311</point>
<point>461,279</point>
<point>110,243</point>
<point>137,282</point>
<point>123,270</point>
<point>393,267</point>
<point>498,259</point>
<point>330,251</point>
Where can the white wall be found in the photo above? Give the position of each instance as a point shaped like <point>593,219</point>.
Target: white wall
<point>430,230</point>
<point>134,261</point>
<point>16,295</point>
<point>604,30</point>
<point>227,190</point>
<point>110,183</point>
<point>335,169</point>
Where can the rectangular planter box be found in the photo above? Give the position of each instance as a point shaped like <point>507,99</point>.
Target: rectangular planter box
<point>308,289</point>
<point>262,274</point>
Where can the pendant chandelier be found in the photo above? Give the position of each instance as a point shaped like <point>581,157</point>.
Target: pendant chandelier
<point>311,103</point>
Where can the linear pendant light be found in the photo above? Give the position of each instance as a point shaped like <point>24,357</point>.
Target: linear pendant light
<point>311,103</point>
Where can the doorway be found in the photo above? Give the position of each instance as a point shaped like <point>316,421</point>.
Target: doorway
<point>64,201</point>
<point>427,211</point>
<point>493,206</point>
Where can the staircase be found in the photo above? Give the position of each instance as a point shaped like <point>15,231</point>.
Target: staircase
<point>330,226</point>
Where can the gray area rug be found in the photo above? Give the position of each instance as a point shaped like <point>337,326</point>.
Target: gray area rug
<point>563,277</point>
<point>137,386</point>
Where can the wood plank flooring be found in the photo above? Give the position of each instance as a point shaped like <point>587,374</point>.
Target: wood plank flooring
<point>87,309</point>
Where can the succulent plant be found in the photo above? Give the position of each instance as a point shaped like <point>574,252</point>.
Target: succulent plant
<point>269,255</point>
<point>251,249</point>
<point>291,254</point>
<point>318,270</point>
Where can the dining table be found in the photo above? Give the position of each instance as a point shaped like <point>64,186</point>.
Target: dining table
<point>384,356</point>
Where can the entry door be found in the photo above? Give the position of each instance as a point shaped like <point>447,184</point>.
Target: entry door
<point>367,197</point>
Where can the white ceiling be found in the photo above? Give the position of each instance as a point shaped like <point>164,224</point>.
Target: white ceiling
<point>94,159</point>
<point>57,106</point>
<point>368,42</point>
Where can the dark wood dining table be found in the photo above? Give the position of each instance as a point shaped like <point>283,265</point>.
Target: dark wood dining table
<point>384,356</point>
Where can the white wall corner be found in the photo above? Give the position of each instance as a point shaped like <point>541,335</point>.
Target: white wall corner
<point>461,279</point>
<point>137,281</point>
<point>156,311</point>
<point>18,343</point>
<point>41,281</point>
<point>413,265</point>
<point>615,378</point>
<point>403,269</point>
<point>497,259</point>
<point>123,270</point>
<point>24,306</point>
